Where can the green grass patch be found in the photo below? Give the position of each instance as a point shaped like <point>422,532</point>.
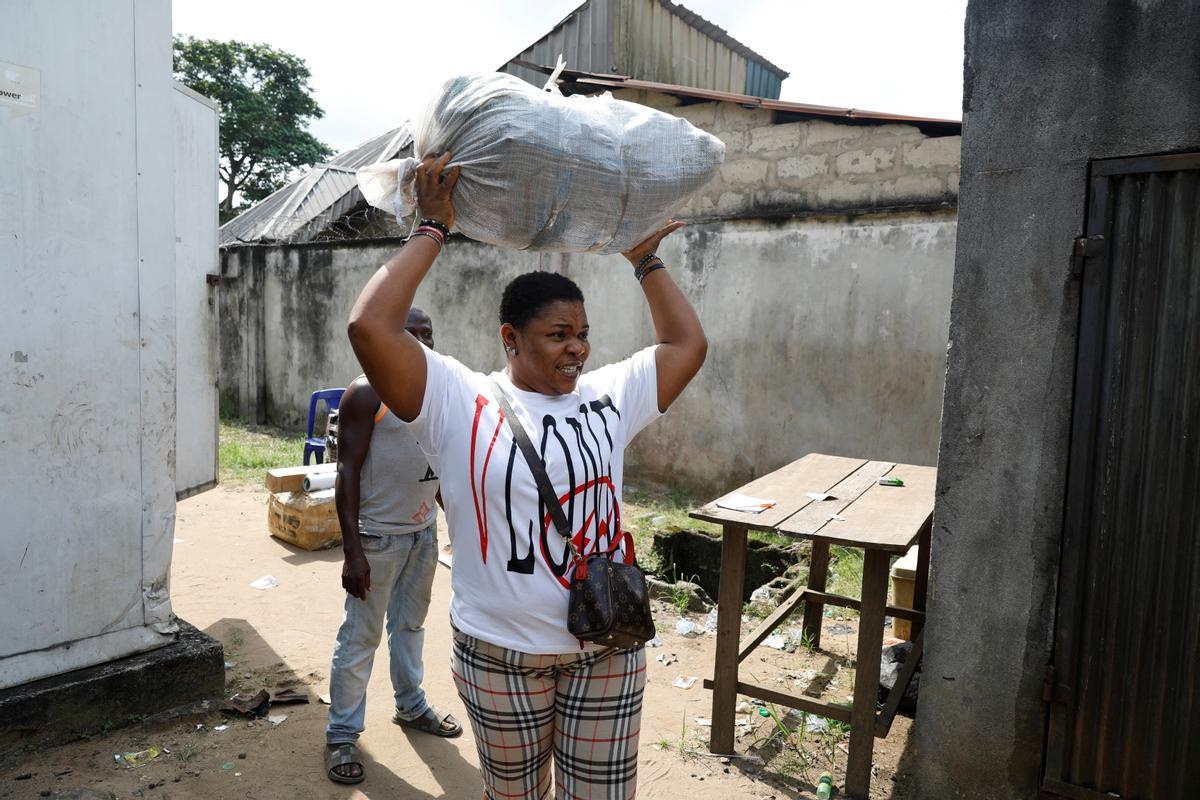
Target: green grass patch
<point>845,574</point>
<point>247,451</point>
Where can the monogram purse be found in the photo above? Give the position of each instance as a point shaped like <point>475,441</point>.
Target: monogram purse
<point>609,603</point>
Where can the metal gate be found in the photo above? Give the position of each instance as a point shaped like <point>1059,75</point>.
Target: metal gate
<point>1124,688</point>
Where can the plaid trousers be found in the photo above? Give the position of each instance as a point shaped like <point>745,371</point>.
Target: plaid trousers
<point>584,710</point>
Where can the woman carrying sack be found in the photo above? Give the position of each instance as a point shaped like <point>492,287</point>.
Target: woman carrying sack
<point>535,692</point>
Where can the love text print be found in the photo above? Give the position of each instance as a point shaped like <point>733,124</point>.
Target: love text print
<point>577,450</point>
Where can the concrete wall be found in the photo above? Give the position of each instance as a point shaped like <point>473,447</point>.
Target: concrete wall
<point>812,166</point>
<point>196,139</point>
<point>87,370</point>
<point>1049,86</point>
<point>827,334</point>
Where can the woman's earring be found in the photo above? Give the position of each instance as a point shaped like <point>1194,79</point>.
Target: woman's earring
<point>512,351</point>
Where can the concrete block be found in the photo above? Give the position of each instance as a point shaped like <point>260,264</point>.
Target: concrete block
<point>917,188</point>
<point>733,117</point>
<point>952,182</point>
<point>786,137</point>
<point>702,115</point>
<point>745,171</point>
<point>844,194</point>
<point>818,131</point>
<point>798,168</point>
<point>79,703</point>
<point>735,141</point>
<point>943,151</point>
<point>731,202</point>
<point>857,162</point>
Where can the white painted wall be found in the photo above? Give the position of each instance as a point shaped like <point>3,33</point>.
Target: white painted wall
<point>196,140</point>
<point>87,340</point>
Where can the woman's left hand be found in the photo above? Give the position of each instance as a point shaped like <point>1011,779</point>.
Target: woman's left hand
<point>650,244</point>
<point>435,184</point>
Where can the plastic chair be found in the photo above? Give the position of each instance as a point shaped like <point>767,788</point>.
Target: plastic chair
<point>316,444</point>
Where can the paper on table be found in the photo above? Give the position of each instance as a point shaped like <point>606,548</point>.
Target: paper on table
<point>736,501</point>
<point>319,481</point>
<point>818,496</point>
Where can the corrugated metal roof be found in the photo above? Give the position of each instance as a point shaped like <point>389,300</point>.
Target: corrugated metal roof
<point>324,194</point>
<point>721,35</point>
<point>653,39</point>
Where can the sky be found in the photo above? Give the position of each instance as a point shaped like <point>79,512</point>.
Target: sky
<point>373,61</point>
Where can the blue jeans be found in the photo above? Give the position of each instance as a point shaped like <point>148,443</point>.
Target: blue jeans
<point>402,567</point>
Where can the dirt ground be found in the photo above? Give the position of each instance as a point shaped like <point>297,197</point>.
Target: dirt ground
<point>282,637</point>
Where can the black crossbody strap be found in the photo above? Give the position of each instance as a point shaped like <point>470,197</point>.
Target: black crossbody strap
<point>536,467</point>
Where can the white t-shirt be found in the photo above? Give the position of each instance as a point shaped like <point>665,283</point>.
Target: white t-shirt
<point>511,567</point>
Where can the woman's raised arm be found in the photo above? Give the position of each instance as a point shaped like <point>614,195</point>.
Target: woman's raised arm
<point>394,362</point>
<point>682,344</point>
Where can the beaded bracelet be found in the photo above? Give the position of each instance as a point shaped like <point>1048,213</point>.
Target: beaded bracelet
<point>432,231</point>
<point>646,259</point>
<point>641,275</point>
<point>427,234</point>
<point>433,223</point>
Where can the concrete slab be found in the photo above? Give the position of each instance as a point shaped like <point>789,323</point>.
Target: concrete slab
<point>109,696</point>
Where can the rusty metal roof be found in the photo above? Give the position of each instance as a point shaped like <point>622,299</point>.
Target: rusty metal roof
<point>576,82</point>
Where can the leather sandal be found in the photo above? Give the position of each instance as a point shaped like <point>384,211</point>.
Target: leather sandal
<point>339,756</point>
<point>433,721</point>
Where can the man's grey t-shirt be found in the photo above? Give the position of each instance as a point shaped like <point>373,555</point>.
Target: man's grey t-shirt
<point>397,487</point>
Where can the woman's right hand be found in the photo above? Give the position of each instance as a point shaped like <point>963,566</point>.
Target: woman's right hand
<point>434,185</point>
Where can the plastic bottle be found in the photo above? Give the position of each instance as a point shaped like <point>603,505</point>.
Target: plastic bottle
<point>825,786</point>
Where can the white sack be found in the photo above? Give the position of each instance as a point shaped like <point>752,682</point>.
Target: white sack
<point>541,171</point>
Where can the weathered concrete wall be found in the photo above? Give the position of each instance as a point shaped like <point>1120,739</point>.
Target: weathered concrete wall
<point>87,370</point>
<point>789,168</point>
<point>826,334</point>
<point>1049,86</point>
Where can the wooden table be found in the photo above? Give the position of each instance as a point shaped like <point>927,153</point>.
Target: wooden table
<point>881,520</point>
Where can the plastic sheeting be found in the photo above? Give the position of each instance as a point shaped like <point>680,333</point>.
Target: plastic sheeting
<point>541,171</point>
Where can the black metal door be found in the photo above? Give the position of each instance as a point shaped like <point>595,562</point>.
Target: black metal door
<point>1124,688</point>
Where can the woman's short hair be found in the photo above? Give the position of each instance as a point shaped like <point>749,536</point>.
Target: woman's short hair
<point>526,295</point>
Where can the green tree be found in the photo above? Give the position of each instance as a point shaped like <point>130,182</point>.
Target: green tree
<point>266,106</point>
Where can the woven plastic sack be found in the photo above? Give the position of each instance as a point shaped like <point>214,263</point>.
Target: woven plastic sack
<point>541,171</point>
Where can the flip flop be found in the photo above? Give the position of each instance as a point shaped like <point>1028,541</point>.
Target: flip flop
<point>431,722</point>
<point>341,755</point>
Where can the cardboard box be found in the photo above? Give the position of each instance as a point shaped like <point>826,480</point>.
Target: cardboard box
<point>291,479</point>
<point>308,521</point>
<point>904,580</point>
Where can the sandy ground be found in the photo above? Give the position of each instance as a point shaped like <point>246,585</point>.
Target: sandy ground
<point>283,637</point>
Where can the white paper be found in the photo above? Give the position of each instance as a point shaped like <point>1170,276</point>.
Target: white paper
<point>265,582</point>
<point>819,496</point>
<point>736,501</point>
<point>776,641</point>
<point>275,719</point>
<point>684,681</point>
<point>20,89</point>
<point>837,518</point>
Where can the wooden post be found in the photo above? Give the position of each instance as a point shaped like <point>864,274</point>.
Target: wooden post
<point>729,631</point>
<point>866,674</point>
<point>921,582</point>
<point>818,573</point>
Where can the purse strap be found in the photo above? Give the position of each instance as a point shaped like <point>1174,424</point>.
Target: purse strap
<point>538,468</point>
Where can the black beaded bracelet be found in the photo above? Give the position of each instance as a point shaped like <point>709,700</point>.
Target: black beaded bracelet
<point>433,223</point>
<point>651,268</point>
<point>646,259</point>
<point>642,271</point>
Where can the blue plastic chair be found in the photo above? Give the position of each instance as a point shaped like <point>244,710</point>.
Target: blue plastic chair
<point>316,444</point>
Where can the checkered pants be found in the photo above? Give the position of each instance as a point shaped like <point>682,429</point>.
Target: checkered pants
<point>584,709</point>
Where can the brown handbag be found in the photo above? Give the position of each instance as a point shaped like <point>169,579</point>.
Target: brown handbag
<point>609,603</point>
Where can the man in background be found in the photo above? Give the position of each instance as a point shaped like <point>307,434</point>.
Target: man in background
<point>386,497</point>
